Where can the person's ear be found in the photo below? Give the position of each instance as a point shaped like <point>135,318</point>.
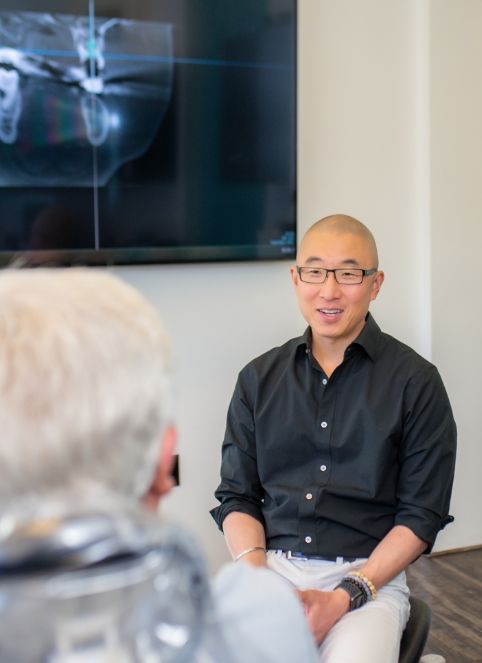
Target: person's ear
<point>377,282</point>
<point>162,481</point>
<point>294,275</point>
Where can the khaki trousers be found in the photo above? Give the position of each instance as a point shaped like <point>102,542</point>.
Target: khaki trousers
<point>370,634</point>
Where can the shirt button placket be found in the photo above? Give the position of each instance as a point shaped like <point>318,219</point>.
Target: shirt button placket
<point>323,466</point>
<point>307,510</point>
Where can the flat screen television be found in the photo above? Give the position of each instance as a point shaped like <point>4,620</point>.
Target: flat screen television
<point>140,131</point>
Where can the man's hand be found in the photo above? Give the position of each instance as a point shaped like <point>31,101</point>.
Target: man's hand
<point>323,609</point>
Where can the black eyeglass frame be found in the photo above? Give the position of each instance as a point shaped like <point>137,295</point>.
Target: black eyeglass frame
<point>364,272</point>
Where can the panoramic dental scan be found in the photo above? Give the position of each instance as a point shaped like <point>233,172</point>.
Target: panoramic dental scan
<point>147,132</point>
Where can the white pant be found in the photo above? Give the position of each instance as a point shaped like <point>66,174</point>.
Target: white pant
<point>370,634</point>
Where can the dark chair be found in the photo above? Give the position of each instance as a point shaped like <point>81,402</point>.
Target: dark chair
<point>416,631</point>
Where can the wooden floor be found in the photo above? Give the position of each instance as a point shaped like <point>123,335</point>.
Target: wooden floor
<point>452,585</point>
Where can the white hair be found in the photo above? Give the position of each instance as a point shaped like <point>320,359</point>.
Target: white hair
<point>85,391</point>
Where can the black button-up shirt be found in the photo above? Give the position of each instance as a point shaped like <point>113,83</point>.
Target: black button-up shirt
<point>329,466</point>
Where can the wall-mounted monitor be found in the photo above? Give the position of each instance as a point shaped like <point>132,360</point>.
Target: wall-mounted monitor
<point>140,131</point>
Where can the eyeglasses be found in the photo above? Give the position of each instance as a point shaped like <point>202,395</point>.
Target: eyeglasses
<point>345,276</point>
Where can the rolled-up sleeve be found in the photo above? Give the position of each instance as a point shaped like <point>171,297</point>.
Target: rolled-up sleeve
<point>427,457</point>
<point>240,488</point>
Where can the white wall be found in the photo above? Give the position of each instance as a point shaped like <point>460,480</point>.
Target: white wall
<point>382,137</point>
<point>358,116</point>
<point>456,192</point>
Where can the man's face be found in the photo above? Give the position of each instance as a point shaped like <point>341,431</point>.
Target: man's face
<point>336,312</point>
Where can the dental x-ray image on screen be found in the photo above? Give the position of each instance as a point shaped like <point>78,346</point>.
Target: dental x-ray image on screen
<point>147,131</point>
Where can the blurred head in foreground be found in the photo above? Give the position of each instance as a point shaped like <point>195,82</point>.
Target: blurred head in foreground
<point>85,406</point>
<point>85,393</point>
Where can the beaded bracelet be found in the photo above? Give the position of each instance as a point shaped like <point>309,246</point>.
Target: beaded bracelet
<point>361,577</point>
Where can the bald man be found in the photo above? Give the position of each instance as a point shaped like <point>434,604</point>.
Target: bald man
<point>339,454</point>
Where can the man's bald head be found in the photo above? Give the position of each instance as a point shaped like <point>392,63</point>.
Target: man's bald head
<point>342,224</point>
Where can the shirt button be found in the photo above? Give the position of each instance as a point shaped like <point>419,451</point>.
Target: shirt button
<point>324,424</point>
<point>323,468</point>
<point>325,381</point>
<point>309,496</point>
<point>307,539</point>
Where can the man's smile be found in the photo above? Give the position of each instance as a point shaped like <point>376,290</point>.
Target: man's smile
<point>330,311</point>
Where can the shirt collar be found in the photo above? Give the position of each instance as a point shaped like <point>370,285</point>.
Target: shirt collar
<point>304,342</point>
<point>369,338</point>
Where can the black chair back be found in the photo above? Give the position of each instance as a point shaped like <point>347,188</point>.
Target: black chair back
<point>416,632</point>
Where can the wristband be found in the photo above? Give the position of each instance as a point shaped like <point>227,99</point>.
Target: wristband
<point>357,594</point>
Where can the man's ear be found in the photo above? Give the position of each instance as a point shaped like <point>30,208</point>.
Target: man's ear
<point>294,275</point>
<point>162,481</point>
<point>377,284</point>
